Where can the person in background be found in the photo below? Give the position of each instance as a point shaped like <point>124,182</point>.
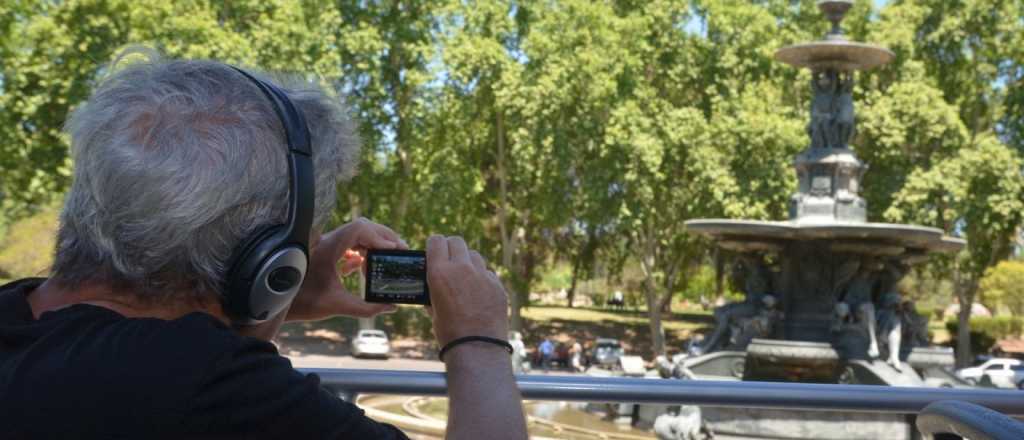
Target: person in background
<point>518,351</point>
<point>547,352</point>
<point>576,356</point>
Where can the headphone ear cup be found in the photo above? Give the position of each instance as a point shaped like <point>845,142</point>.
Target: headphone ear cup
<point>265,277</point>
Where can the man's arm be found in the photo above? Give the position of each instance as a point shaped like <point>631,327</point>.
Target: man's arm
<point>469,300</point>
<point>484,402</point>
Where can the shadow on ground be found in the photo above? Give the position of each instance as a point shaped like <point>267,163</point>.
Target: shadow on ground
<point>635,336</point>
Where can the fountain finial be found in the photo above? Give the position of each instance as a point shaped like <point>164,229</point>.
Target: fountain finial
<point>835,11</point>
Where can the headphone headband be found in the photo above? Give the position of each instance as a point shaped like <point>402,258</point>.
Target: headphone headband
<point>269,266</point>
<point>300,164</point>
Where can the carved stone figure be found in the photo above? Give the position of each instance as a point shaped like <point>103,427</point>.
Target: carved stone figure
<point>844,121</point>
<point>858,299</point>
<point>890,277</point>
<point>730,317</point>
<point>852,338</point>
<point>685,424</point>
<point>823,112</point>
<point>890,326</point>
<point>759,326</point>
<point>915,326</point>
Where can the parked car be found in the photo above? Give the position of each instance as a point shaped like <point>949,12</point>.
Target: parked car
<point>606,352</point>
<point>371,343</point>
<point>1001,372</point>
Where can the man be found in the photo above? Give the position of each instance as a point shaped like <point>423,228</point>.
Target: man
<point>518,351</point>
<point>176,162</point>
<point>547,353</point>
<point>576,355</point>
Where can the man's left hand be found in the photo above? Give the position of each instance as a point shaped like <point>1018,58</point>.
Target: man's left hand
<point>340,253</point>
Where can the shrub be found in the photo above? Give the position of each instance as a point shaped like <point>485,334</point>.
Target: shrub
<point>27,248</point>
<point>1002,287</point>
<point>986,331</point>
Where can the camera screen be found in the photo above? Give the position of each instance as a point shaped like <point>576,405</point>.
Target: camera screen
<point>397,277</point>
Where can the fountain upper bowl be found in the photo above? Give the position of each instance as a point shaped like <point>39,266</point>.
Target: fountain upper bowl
<point>839,55</point>
<point>883,238</point>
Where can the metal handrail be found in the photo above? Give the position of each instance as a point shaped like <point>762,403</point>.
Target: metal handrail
<point>968,421</point>
<point>767,395</point>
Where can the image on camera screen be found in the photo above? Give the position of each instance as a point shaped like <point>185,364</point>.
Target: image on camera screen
<point>397,278</point>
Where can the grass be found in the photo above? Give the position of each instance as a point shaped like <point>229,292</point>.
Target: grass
<point>630,327</point>
<point>673,322</point>
<point>940,335</point>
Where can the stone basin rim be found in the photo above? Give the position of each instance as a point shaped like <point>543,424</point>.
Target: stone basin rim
<point>838,54</point>
<point>910,235</point>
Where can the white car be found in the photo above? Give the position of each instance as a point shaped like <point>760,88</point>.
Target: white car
<point>369,343</point>
<point>1001,372</point>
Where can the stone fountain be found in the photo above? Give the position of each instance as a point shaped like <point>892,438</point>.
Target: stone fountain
<point>822,303</point>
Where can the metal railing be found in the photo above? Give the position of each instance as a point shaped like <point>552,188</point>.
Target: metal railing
<point>765,395</point>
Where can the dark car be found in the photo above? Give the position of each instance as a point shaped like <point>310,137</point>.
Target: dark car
<point>606,352</point>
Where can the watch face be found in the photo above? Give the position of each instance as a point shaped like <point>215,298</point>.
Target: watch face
<point>397,277</point>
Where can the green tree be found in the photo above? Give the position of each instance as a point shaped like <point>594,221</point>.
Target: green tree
<point>961,175</point>
<point>1002,287</point>
<point>384,49</point>
<point>62,49</point>
<point>977,194</point>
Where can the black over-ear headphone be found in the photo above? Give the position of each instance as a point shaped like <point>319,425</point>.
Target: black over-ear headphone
<point>268,267</point>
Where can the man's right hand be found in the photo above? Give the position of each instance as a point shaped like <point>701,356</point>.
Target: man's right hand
<point>467,298</point>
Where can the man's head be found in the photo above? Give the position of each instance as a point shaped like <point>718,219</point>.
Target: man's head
<point>175,163</point>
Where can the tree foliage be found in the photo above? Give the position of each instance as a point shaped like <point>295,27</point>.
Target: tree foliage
<point>581,130</point>
<point>1002,287</point>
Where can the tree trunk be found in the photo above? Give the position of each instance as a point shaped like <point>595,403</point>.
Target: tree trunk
<point>654,317</point>
<point>965,294</point>
<point>508,241</point>
<point>719,274</point>
<point>647,264</point>
<point>666,303</point>
<point>575,277</point>
<point>401,97</point>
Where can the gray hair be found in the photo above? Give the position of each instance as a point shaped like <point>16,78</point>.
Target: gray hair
<point>175,162</point>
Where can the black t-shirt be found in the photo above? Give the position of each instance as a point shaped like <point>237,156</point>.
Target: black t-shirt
<point>87,372</point>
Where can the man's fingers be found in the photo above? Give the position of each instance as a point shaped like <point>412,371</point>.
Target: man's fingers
<point>390,235</point>
<point>352,262</point>
<point>385,236</point>
<point>362,234</point>
<point>457,249</point>
<point>478,260</point>
<point>437,249</point>
<point>374,239</point>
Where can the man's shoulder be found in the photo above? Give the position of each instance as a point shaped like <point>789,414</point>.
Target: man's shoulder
<point>197,344</point>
